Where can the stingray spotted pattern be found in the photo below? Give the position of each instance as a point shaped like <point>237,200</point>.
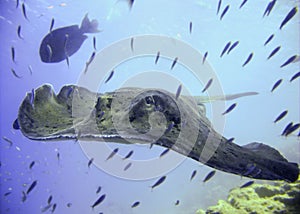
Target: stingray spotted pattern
<point>76,112</point>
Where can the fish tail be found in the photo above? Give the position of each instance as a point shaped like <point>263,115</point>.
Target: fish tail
<point>88,26</point>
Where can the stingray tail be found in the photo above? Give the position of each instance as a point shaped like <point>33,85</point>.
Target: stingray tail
<point>88,26</point>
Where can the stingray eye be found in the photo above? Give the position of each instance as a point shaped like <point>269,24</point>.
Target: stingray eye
<point>149,100</point>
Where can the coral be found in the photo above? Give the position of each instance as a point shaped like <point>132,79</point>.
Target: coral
<point>281,197</point>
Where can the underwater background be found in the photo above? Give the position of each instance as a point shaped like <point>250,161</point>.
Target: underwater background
<point>61,168</point>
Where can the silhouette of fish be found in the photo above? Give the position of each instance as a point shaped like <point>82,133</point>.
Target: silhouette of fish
<point>56,41</point>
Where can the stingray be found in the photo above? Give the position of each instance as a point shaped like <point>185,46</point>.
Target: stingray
<point>147,116</point>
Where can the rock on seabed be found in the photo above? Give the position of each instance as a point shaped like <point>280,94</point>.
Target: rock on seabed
<point>280,198</point>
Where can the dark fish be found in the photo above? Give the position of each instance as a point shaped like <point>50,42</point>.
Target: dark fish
<point>230,140</point>
<point>92,57</point>
<point>244,2</point>
<point>127,166</point>
<point>53,208</point>
<point>51,25</point>
<point>110,76</point>
<point>209,175</point>
<point>288,17</point>
<point>274,52</point>
<point>232,46</point>
<point>269,7</point>
<point>24,197</point>
<point>290,60</point>
<point>204,57</point>
<point>13,54</point>
<point>277,83</point>
<point>282,115</point>
<point>292,129</point>
<point>131,43</point>
<point>16,125</point>
<point>128,155</point>
<point>8,141</point>
<point>7,193</point>
<point>224,12</point>
<point>94,43</point>
<point>46,208</point>
<point>170,126</point>
<point>295,76</point>
<point>90,162</point>
<point>31,164</point>
<point>249,183</point>
<point>58,156</point>
<point>31,187</point>
<point>191,27</point>
<point>99,200</point>
<point>158,182</point>
<point>112,153</point>
<point>178,91</point>
<point>208,84</point>
<point>164,152</point>
<point>24,11</point>
<point>19,32</point>
<point>17,3</point>
<point>49,199</point>
<point>229,109</point>
<point>225,48</point>
<point>174,63</point>
<point>130,3</point>
<point>30,69</point>
<point>69,204</point>
<point>269,39</point>
<point>193,175</point>
<point>15,74</point>
<point>248,59</point>
<point>219,6</point>
<point>157,57</point>
<point>177,203</point>
<point>288,126</point>
<point>135,204</point>
<point>98,190</point>
<point>56,40</point>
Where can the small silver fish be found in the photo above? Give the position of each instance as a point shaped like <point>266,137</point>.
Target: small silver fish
<point>295,76</point>
<point>209,176</point>
<point>8,141</point>
<point>135,204</point>
<point>230,108</point>
<point>288,126</point>
<point>225,49</point>
<point>51,25</point>
<point>174,62</point>
<point>232,46</point>
<point>164,152</point>
<point>49,199</point>
<point>249,183</point>
<point>288,17</point>
<point>90,162</point>
<point>224,12</point>
<point>208,84</point>
<point>131,43</point>
<point>230,140</point>
<point>282,115</point>
<point>94,43</point>
<point>277,83</point>
<point>13,54</point>
<point>269,39</point>
<point>19,32</point>
<point>191,27</point>
<point>24,197</point>
<point>98,201</point>
<point>24,11</point>
<point>204,57</point>
<point>68,61</point>
<point>177,203</point>
<point>32,98</point>
<point>110,76</point>
<point>157,57</point>
<point>288,61</point>
<point>219,6</point>
<point>30,69</point>
<point>31,164</point>
<point>128,155</point>
<point>243,3</point>
<point>98,190</point>
<point>112,153</point>
<point>274,52</point>
<point>178,91</point>
<point>193,175</point>
<point>46,208</point>
<point>248,59</point>
<point>158,182</point>
<point>31,187</point>
<point>269,7</point>
<point>17,3</point>
<point>127,166</point>
<point>291,129</point>
<point>53,208</point>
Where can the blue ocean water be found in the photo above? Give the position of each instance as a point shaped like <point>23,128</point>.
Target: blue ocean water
<point>68,178</point>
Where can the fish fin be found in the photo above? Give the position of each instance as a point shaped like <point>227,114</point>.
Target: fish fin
<point>262,149</point>
<point>88,26</point>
